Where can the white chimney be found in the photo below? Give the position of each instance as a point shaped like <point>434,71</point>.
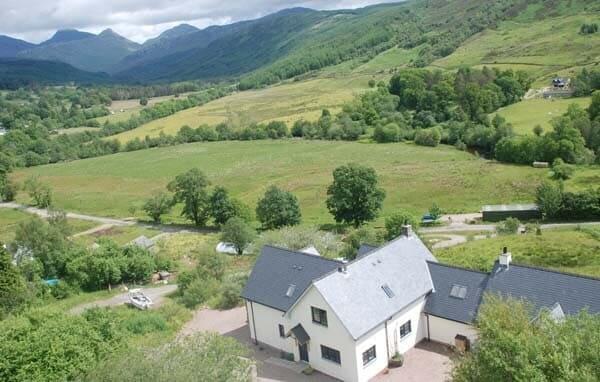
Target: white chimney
<point>406,230</point>
<point>505,258</point>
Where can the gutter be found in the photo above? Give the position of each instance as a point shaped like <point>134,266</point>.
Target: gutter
<point>254,324</point>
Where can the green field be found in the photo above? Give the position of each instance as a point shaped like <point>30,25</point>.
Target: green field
<point>540,47</point>
<point>413,176</point>
<point>120,235</point>
<point>287,102</point>
<point>568,250</point>
<point>526,114</point>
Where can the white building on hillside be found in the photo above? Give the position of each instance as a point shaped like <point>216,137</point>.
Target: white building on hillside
<point>348,319</point>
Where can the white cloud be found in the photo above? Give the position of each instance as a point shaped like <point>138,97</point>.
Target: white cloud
<point>139,20</point>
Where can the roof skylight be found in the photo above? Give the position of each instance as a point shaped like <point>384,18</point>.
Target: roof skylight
<point>290,290</point>
<point>388,291</point>
<point>458,291</point>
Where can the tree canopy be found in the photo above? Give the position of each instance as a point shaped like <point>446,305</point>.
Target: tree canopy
<point>190,188</point>
<point>278,208</point>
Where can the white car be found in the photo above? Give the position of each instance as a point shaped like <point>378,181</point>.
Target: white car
<point>139,299</point>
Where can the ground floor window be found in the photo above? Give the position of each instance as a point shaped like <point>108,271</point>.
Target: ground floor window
<point>331,354</point>
<point>405,329</point>
<point>281,331</point>
<point>369,355</point>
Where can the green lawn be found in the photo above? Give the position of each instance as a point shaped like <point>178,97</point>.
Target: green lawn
<point>413,176</point>
<point>569,250</point>
<point>120,235</point>
<point>526,114</point>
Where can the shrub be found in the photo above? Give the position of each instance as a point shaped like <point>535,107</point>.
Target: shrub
<point>510,226</point>
<point>199,291</point>
<point>394,223</point>
<point>387,133</point>
<point>562,170</point>
<point>428,137</point>
<point>145,323</point>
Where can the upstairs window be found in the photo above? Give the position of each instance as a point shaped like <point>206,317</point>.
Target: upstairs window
<point>369,355</point>
<point>331,354</point>
<point>319,316</point>
<point>405,329</point>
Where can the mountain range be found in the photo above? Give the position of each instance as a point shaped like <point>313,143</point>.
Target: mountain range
<point>284,44</point>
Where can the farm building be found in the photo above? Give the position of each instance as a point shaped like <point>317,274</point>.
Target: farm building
<point>496,213</point>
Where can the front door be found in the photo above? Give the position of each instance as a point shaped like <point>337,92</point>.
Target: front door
<point>303,350</point>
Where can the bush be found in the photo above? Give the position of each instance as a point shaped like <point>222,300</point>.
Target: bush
<point>387,133</point>
<point>428,137</point>
<point>297,237</point>
<point>510,226</point>
<point>146,323</point>
<point>199,291</point>
<point>394,223</point>
<point>561,170</point>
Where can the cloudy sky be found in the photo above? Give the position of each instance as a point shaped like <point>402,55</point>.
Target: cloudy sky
<point>138,20</point>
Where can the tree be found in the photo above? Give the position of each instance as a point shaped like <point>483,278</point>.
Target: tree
<point>157,206</point>
<point>278,208</point>
<point>222,207</point>
<point>143,101</point>
<point>237,232</point>
<point>394,223</point>
<point>538,130</point>
<point>8,189</point>
<point>40,192</point>
<point>562,170</point>
<point>13,290</point>
<point>549,196</point>
<point>510,226</point>
<point>190,188</point>
<point>594,108</point>
<point>354,196</point>
<point>518,343</point>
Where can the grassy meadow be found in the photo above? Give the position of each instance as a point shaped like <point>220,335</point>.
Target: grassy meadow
<point>413,176</point>
<point>286,102</point>
<point>526,114</point>
<point>551,46</point>
<point>568,250</point>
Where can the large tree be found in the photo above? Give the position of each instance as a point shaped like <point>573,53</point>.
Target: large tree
<point>222,207</point>
<point>518,343</point>
<point>354,195</point>
<point>190,188</point>
<point>278,208</point>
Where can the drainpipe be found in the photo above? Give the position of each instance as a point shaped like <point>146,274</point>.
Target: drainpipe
<point>428,333</point>
<point>254,324</point>
<point>387,339</point>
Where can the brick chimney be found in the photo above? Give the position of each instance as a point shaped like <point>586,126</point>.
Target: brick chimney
<point>505,258</point>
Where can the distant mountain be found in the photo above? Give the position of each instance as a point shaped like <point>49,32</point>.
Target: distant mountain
<point>92,53</point>
<point>9,47</point>
<point>15,72</point>
<point>172,43</point>
<point>169,34</point>
<point>66,35</point>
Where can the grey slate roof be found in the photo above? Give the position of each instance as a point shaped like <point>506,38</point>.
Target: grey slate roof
<point>441,304</point>
<point>357,296</point>
<point>364,249</point>
<point>545,288</point>
<point>278,268</point>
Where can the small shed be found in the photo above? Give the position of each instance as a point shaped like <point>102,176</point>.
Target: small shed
<point>496,213</point>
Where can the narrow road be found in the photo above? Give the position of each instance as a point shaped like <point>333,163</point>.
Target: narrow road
<point>44,214</point>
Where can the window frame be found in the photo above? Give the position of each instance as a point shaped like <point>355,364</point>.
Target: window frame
<point>371,354</point>
<point>402,329</point>
<point>331,355</point>
<point>281,330</point>
<point>322,316</point>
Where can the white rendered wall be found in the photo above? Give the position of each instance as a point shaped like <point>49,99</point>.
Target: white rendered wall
<point>444,331</point>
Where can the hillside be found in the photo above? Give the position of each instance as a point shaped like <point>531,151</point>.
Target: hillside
<point>95,53</point>
<point>15,72</point>
<point>66,35</point>
<point>9,47</point>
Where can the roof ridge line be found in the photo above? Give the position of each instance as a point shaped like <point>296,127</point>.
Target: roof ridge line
<point>553,271</point>
<point>302,253</point>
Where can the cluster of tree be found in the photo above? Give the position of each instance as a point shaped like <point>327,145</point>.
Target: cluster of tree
<point>30,140</point>
<point>42,250</point>
<point>518,343</point>
<point>124,92</point>
<point>588,28</point>
<point>574,138</point>
<point>586,82</point>
<point>556,203</point>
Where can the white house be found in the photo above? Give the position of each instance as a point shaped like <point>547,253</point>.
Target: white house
<point>348,319</point>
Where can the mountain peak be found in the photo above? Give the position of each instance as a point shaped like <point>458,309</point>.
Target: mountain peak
<point>66,35</point>
<point>176,31</point>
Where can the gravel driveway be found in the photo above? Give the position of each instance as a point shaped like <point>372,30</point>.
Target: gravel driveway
<point>157,295</point>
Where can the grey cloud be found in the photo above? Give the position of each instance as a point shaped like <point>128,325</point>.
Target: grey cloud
<point>140,19</point>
